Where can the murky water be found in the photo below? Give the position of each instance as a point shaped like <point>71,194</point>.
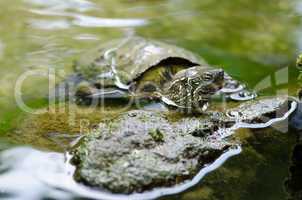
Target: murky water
<point>254,41</point>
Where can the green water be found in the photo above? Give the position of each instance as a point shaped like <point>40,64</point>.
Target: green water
<point>255,41</point>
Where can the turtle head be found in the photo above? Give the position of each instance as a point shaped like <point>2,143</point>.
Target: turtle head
<point>193,87</point>
<point>206,83</point>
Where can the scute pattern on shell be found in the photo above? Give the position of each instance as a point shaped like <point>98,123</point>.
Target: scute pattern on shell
<point>134,55</point>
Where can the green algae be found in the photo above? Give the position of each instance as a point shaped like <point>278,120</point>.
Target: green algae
<point>59,125</point>
<point>157,135</point>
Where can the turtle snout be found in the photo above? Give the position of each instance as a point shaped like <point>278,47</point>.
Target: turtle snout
<point>219,78</point>
<point>219,74</point>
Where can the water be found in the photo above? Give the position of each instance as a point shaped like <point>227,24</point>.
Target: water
<point>257,42</point>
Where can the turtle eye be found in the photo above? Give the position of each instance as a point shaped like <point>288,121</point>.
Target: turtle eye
<point>207,76</point>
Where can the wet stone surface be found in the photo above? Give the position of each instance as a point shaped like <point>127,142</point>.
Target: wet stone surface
<point>140,150</point>
<point>262,110</point>
<point>143,150</point>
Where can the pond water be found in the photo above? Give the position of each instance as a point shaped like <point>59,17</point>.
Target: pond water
<point>255,41</point>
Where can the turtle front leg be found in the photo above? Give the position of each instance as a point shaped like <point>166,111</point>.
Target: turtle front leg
<point>231,85</point>
<point>233,89</point>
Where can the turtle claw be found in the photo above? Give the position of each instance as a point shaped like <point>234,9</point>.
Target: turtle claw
<point>235,90</point>
<point>231,85</point>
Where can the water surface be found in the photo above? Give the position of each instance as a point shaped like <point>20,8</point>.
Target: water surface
<point>254,41</point>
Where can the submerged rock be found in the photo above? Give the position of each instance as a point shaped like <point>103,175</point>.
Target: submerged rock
<point>294,182</point>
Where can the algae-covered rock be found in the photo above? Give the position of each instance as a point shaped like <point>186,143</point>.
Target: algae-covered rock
<point>141,150</point>
<point>58,126</point>
<point>123,157</point>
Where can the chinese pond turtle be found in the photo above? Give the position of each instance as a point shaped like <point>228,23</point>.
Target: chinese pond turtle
<point>136,67</point>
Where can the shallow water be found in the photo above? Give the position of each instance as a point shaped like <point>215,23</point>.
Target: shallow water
<point>253,41</point>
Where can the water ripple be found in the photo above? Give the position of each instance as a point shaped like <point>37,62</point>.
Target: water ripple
<point>87,21</point>
<point>49,24</point>
<point>51,53</point>
<point>79,5</point>
<point>86,37</point>
<point>1,49</point>
<point>90,21</point>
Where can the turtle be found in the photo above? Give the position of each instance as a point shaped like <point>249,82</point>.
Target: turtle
<point>141,68</point>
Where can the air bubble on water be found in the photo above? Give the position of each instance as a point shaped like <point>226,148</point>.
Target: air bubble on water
<point>243,96</point>
<point>232,88</point>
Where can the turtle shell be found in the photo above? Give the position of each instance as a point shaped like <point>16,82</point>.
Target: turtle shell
<point>125,60</point>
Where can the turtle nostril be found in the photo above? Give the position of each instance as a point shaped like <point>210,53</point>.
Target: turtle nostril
<point>219,77</point>
<point>220,73</point>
